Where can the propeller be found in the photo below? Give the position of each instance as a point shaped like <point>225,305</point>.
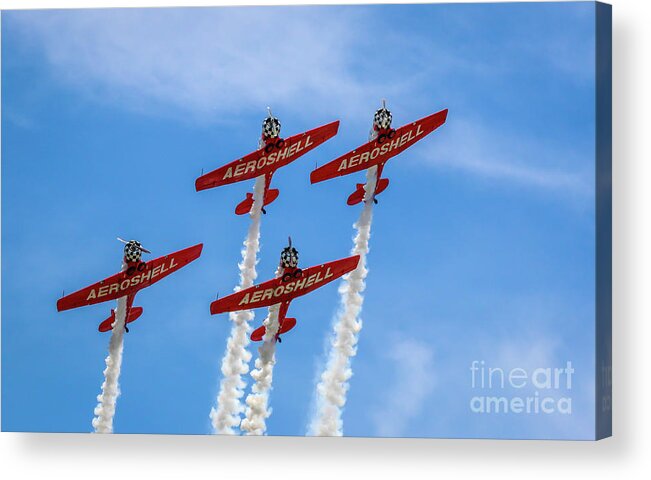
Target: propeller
<point>290,241</point>
<point>142,249</point>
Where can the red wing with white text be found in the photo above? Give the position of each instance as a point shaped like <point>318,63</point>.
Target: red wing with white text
<point>293,282</point>
<point>136,275</point>
<point>274,153</point>
<point>386,143</point>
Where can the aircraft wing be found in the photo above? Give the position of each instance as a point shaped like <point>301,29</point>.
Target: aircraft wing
<point>276,291</point>
<point>259,163</point>
<point>128,282</point>
<point>374,152</point>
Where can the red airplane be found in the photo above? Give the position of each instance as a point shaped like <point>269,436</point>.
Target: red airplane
<point>135,276</point>
<point>292,282</point>
<point>385,143</point>
<point>274,152</point>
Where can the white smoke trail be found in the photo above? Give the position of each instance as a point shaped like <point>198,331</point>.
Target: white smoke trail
<point>333,386</point>
<point>226,416</point>
<point>257,401</point>
<point>105,409</point>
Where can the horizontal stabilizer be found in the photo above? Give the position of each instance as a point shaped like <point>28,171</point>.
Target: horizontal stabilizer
<point>107,325</point>
<point>287,325</point>
<point>357,196</point>
<point>271,195</point>
<point>382,185</point>
<point>245,205</point>
<point>258,333</point>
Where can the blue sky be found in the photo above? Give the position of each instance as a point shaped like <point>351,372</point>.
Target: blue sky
<point>482,247</point>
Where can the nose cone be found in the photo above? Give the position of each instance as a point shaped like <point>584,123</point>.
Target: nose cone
<point>132,251</point>
<point>271,127</point>
<point>382,118</point>
<point>289,257</point>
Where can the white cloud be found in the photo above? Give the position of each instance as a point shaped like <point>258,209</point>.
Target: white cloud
<point>217,63</point>
<point>206,62</point>
<point>494,154</point>
<point>413,383</point>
